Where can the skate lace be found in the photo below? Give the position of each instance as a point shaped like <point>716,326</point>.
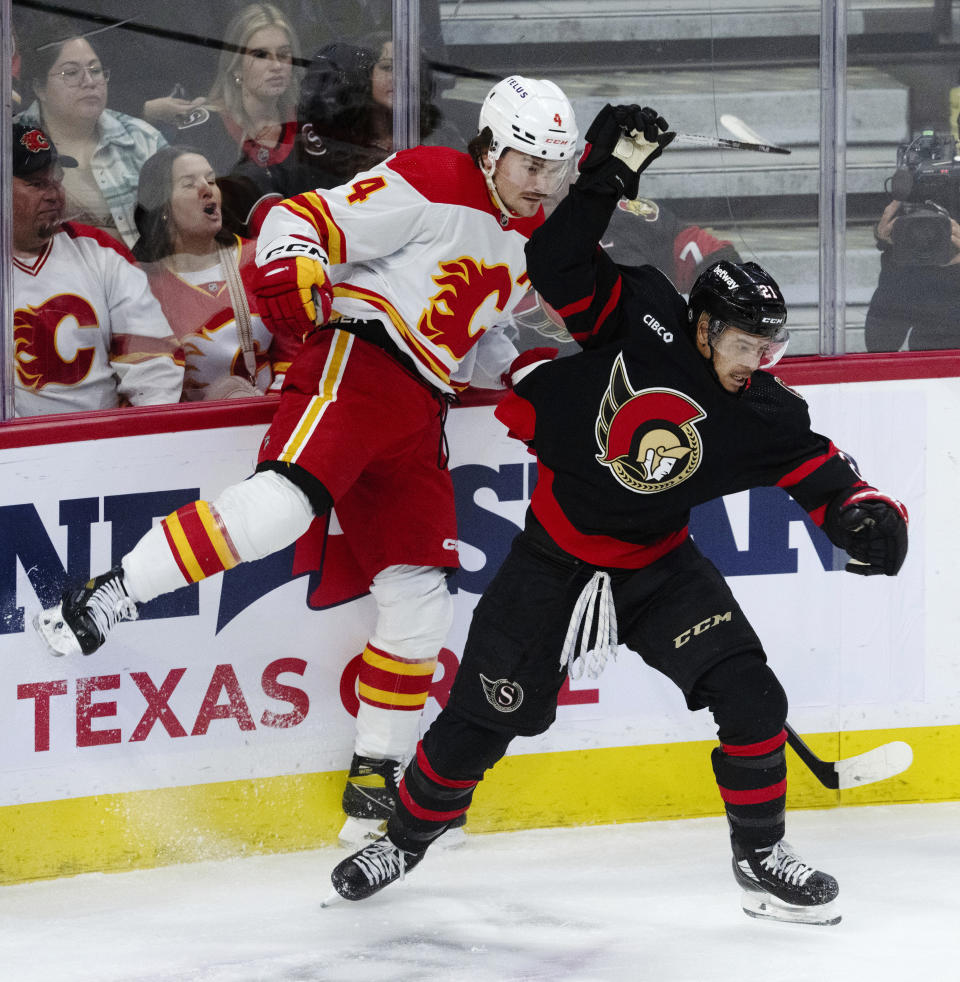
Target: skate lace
<point>381,861</point>
<point>595,601</point>
<point>108,604</point>
<point>784,864</point>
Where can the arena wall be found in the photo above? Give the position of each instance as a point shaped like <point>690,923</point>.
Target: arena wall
<point>221,723</point>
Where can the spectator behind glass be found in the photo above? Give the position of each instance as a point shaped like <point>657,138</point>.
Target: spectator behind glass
<point>249,114</point>
<point>198,271</point>
<point>345,110</point>
<point>70,85</point>
<point>916,304</point>
<point>88,333</point>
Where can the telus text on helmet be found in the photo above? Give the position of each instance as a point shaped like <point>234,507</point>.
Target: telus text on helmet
<point>517,87</point>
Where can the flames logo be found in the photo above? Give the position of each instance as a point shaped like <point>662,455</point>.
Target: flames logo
<point>465,284</point>
<point>647,438</point>
<point>35,141</point>
<point>35,351</point>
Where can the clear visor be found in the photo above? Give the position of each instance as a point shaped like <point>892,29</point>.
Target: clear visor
<point>748,349</point>
<point>533,173</point>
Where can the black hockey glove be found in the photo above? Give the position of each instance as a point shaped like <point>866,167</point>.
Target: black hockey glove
<point>872,528</point>
<point>621,143</point>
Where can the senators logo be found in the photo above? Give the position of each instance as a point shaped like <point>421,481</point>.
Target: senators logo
<point>38,359</point>
<point>648,439</point>
<point>465,285</point>
<point>35,141</point>
<point>643,208</point>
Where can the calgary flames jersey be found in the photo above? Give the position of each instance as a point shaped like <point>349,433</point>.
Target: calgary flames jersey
<point>635,430</point>
<point>88,333</point>
<point>418,244</point>
<point>201,314</point>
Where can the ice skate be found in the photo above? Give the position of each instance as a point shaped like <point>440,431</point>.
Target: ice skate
<point>370,798</point>
<point>370,869</point>
<point>85,615</point>
<point>778,885</point>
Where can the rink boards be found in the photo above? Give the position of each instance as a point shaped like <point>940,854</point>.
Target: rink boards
<point>221,722</point>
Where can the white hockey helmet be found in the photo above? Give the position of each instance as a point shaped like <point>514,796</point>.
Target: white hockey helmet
<point>530,115</point>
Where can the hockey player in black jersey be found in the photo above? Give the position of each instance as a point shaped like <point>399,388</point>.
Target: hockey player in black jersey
<point>668,405</point>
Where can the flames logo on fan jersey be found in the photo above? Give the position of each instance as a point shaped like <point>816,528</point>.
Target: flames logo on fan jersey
<point>648,439</point>
<point>37,357</point>
<point>465,285</point>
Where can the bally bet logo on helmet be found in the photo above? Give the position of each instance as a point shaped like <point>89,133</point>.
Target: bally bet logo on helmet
<point>648,439</point>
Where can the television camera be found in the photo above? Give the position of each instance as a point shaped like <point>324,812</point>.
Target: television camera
<point>927,182</point>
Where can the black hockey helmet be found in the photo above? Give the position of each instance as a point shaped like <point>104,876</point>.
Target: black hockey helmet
<point>741,295</point>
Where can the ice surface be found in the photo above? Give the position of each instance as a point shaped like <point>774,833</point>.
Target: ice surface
<point>654,902</point>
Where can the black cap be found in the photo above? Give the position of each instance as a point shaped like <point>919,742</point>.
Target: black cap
<point>34,151</point>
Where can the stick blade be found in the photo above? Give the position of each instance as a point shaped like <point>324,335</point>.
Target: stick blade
<point>738,129</point>
<point>874,765</point>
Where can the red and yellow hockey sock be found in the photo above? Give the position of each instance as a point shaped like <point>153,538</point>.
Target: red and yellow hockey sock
<point>388,682</point>
<point>199,541</point>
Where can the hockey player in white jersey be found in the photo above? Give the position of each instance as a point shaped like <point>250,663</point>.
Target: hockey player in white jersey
<point>88,333</point>
<point>407,268</point>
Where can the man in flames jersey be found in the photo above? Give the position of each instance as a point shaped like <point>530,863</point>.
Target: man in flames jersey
<point>88,333</point>
<point>395,281</point>
<point>666,406</point>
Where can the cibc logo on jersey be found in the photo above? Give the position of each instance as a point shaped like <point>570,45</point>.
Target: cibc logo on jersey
<point>648,439</point>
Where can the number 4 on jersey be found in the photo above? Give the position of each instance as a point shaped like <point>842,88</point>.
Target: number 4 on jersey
<point>363,189</point>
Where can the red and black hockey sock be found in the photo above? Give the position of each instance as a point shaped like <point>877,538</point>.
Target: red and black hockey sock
<point>752,779</point>
<point>749,706</point>
<point>437,786</point>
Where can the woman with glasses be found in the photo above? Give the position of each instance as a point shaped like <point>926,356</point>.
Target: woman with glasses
<point>70,87</point>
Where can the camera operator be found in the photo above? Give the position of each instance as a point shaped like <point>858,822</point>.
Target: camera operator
<point>916,302</point>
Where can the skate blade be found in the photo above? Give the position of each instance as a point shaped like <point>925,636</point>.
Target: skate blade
<point>55,633</point>
<point>359,832</point>
<point>333,899</point>
<point>767,908</point>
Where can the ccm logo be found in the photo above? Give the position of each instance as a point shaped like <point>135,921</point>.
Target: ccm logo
<point>657,327</point>
<point>705,625</point>
<point>295,249</point>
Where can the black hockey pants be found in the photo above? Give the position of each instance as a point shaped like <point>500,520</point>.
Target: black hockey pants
<point>509,679</point>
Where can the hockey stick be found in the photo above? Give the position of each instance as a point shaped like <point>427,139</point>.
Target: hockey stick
<point>713,141</point>
<point>851,772</point>
<point>739,130</point>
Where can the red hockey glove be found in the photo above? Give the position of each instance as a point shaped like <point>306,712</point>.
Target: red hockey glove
<point>293,290</point>
<point>872,528</point>
<point>524,363</point>
<point>622,142</point>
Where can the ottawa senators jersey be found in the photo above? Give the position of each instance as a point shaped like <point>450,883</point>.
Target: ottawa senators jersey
<point>635,430</point>
<point>417,244</point>
<point>88,333</point>
<point>201,314</point>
